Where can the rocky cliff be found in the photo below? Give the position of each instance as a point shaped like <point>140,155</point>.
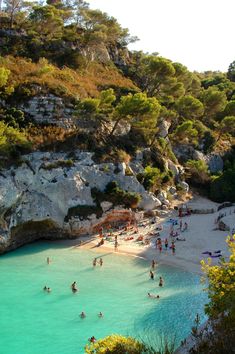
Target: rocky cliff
<point>37,197</point>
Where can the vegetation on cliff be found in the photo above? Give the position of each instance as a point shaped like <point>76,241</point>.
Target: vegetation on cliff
<point>79,54</point>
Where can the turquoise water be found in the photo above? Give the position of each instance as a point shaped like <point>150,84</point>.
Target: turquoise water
<point>35,322</point>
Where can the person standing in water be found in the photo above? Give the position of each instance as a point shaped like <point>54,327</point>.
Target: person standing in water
<point>48,260</point>
<point>151,275</point>
<point>74,287</point>
<point>94,262</point>
<point>154,263</point>
<point>101,262</point>
<point>82,314</point>
<point>160,281</point>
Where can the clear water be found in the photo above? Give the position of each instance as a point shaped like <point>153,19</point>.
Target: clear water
<point>35,322</point>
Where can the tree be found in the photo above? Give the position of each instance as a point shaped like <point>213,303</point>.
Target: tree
<point>12,7</point>
<point>230,109</point>
<point>227,125</point>
<point>185,132</point>
<point>214,101</point>
<point>143,111</point>
<point>46,23</point>
<point>189,107</point>
<point>231,71</point>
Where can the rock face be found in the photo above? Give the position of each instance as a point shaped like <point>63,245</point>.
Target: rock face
<point>36,197</point>
<point>214,162</point>
<point>49,109</point>
<point>163,126</point>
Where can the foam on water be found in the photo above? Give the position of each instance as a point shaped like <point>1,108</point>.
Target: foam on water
<point>35,322</point>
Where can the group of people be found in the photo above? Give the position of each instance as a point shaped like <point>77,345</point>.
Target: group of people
<point>151,274</point>
<point>74,288</point>
<point>159,245</point>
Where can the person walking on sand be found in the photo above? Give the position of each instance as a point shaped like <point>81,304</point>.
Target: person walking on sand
<point>166,244</point>
<point>115,246</point>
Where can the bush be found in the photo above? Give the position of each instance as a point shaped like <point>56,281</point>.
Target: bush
<point>114,194</point>
<point>151,178</point>
<point>116,344</point>
<point>83,212</point>
<point>197,172</point>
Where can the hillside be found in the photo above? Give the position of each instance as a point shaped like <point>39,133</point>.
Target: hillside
<point>68,81</point>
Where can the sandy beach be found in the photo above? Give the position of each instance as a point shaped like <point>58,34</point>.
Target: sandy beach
<point>201,235</point>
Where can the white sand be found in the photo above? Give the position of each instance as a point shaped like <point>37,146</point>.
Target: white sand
<point>201,236</point>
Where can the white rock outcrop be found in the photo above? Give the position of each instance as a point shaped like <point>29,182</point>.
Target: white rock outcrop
<point>45,188</point>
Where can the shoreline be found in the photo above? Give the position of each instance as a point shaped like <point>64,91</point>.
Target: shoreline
<point>201,236</point>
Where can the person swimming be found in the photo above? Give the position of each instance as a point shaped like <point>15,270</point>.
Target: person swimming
<point>152,296</point>
<point>48,290</point>
<point>82,314</point>
<point>45,288</point>
<point>92,339</point>
<point>100,315</point>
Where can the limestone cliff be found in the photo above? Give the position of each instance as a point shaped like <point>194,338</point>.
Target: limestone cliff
<point>36,197</point>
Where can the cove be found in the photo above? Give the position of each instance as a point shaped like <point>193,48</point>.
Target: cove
<point>35,322</point>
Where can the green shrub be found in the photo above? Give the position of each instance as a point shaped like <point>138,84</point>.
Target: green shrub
<point>83,212</point>
<point>114,194</point>
<point>151,178</point>
<point>197,172</point>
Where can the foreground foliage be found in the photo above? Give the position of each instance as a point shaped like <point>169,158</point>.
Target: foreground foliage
<point>219,335</point>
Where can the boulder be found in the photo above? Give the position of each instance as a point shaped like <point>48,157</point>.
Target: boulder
<point>106,206</point>
<point>184,186</point>
<point>163,127</point>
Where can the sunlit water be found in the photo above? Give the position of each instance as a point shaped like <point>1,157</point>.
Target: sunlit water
<point>35,322</point>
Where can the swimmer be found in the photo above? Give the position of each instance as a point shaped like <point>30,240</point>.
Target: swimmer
<point>151,275</point>
<point>92,339</point>
<point>100,315</point>
<point>160,281</point>
<point>48,290</point>
<point>153,296</point>
<point>45,288</point>
<point>82,314</point>
<point>74,287</point>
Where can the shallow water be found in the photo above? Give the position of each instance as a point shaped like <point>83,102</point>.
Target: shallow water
<point>35,322</point>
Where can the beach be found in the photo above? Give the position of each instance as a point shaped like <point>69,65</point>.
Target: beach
<point>202,235</point>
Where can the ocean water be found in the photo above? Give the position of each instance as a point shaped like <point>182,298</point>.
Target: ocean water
<point>33,321</point>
